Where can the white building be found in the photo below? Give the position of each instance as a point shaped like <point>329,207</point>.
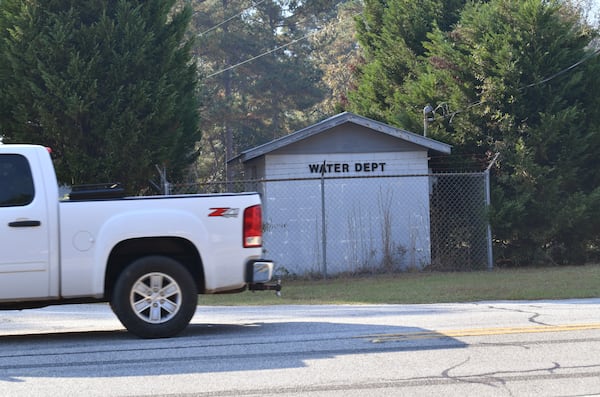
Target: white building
<point>344,195</point>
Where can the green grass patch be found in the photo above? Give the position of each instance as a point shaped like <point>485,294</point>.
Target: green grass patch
<point>436,287</point>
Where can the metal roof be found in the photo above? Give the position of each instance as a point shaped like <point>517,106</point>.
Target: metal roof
<point>335,121</point>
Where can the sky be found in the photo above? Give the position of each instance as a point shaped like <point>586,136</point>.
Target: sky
<point>594,15</point>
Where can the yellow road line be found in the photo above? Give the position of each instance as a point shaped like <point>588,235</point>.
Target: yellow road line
<point>482,332</point>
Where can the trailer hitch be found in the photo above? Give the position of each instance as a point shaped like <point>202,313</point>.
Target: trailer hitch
<point>266,287</point>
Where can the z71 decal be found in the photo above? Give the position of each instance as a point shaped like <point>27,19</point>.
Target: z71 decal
<point>225,212</point>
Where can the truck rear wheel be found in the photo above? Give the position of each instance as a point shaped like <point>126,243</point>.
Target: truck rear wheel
<point>155,297</point>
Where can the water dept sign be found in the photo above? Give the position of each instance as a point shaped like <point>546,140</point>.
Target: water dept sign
<point>342,168</point>
<point>345,165</point>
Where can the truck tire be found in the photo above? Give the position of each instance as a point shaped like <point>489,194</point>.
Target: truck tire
<point>155,297</point>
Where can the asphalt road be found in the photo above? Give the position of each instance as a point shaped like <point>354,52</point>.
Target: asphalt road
<point>540,348</point>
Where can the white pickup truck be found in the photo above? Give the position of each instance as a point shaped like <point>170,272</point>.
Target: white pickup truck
<point>149,257</point>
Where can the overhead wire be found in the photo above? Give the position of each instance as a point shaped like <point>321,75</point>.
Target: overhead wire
<point>596,52</point>
<point>446,115</point>
<point>231,17</point>
<point>259,56</point>
<point>563,71</point>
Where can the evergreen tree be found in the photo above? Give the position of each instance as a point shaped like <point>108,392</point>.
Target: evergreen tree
<point>514,77</point>
<point>391,33</point>
<point>110,86</point>
<point>537,110</point>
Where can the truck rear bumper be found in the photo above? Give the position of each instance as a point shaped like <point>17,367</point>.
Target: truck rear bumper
<point>259,273</point>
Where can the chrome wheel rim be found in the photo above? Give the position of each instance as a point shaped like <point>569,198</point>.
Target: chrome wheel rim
<point>155,298</point>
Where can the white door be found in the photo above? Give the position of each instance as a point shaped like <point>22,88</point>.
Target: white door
<point>24,232</point>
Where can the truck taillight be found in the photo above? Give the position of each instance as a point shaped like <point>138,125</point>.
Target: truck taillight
<point>253,227</point>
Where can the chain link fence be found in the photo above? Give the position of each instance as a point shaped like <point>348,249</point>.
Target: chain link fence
<point>460,231</point>
<point>352,225</point>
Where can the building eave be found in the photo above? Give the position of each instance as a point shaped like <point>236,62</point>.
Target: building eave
<point>335,121</point>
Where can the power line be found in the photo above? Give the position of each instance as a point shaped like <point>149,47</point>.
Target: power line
<point>565,70</point>
<point>447,114</point>
<point>232,17</point>
<point>267,52</point>
<point>259,56</point>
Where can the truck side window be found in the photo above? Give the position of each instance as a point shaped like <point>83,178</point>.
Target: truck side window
<point>16,182</point>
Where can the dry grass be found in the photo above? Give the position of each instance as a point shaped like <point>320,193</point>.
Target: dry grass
<point>436,287</point>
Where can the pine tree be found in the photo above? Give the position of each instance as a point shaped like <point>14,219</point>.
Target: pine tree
<point>514,77</point>
<point>391,33</point>
<point>534,108</point>
<point>110,86</point>
<point>258,85</point>
<point>337,54</point>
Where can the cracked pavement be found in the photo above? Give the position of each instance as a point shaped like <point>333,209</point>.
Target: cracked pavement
<point>533,348</point>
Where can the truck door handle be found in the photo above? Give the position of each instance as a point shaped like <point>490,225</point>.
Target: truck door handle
<point>24,223</point>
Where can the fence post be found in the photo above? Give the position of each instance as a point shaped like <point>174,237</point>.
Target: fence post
<point>488,203</point>
<point>164,182</point>
<point>323,225</point>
